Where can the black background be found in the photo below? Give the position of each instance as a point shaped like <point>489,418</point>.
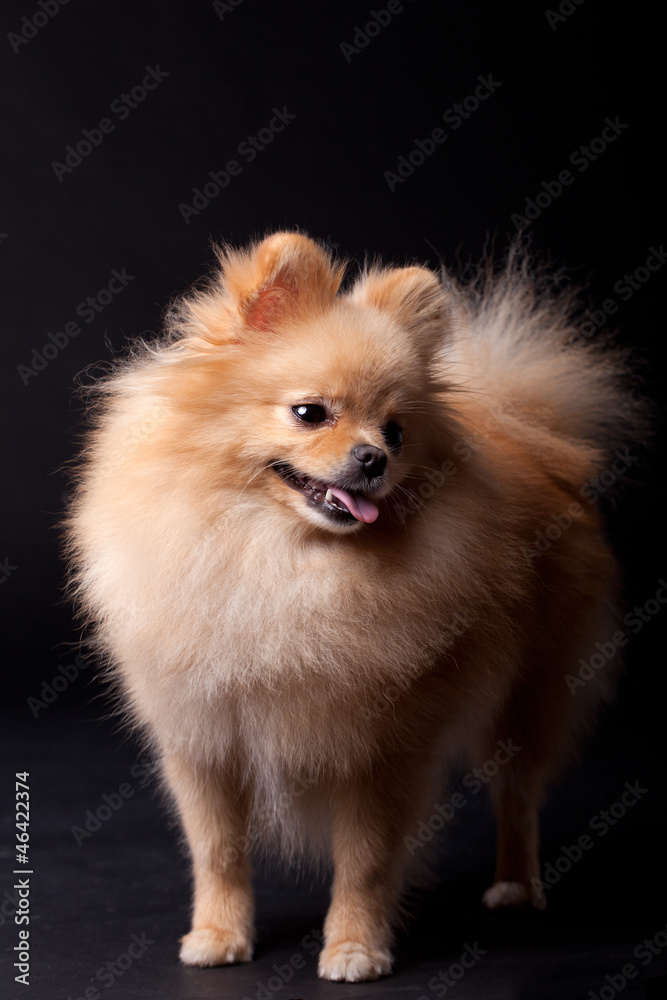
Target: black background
<point>354,116</point>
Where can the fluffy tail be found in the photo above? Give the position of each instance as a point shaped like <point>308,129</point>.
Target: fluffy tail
<point>516,346</point>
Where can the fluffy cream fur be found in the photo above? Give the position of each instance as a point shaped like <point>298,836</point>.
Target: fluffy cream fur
<point>303,680</point>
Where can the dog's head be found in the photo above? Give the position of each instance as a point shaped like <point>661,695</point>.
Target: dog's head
<point>326,394</point>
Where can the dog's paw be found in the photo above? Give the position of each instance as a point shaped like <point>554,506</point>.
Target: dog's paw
<point>514,894</point>
<point>209,946</point>
<point>352,962</point>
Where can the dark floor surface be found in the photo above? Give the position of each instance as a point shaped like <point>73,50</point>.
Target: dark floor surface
<point>106,912</point>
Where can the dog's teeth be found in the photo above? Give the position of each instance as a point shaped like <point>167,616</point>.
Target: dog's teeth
<point>328,496</point>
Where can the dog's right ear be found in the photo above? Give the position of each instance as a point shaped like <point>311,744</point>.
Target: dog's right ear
<point>282,279</point>
<point>411,295</point>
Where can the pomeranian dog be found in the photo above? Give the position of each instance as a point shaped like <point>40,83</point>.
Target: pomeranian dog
<point>333,541</point>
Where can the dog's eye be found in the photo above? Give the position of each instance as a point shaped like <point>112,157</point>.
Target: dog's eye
<point>310,413</point>
<point>393,436</point>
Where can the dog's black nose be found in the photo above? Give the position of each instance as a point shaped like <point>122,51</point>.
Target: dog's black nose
<point>371,459</point>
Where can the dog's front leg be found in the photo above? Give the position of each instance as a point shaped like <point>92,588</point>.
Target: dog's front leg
<point>368,851</point>
<point>214,812</point>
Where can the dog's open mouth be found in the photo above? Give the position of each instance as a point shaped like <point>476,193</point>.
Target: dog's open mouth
<point>336,503</point>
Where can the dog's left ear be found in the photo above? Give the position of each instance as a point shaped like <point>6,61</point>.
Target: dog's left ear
<point>286,276</point>
<point>283,278</point>
<point>413,296</point>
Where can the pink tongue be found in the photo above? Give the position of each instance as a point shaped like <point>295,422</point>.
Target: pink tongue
<point>361,508</point>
